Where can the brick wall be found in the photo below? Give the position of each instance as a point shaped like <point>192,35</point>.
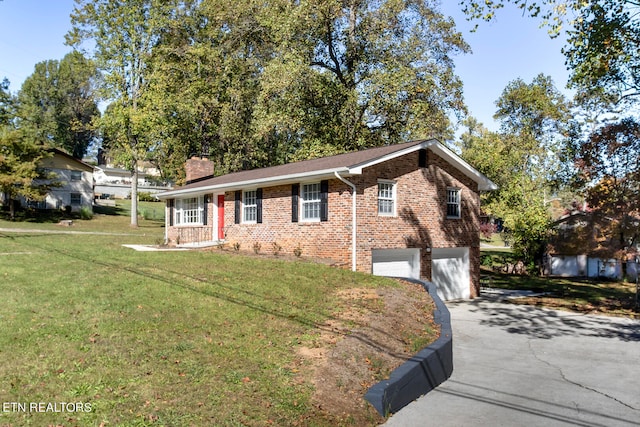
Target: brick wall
<point>420,220</point>
<point>197,168</point>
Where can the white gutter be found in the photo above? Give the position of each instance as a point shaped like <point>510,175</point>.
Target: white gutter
<point>354,193</point>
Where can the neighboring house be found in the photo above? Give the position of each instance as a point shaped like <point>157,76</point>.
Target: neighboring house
<point>75,179</point>
<point>408,210</point>
<point>115,183</point>
<point>580,246</point>
<point>76,183</point>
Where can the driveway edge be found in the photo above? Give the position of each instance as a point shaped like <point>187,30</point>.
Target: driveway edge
<point>422,373</point>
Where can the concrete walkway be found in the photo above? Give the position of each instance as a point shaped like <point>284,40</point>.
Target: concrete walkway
<point>524,366</point>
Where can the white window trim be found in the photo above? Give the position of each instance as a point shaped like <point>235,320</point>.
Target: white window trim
<point>244,206</point>
<point>179,212</point>
<point>458,191</point>
<point>303,202</point>
<point>393,198</point>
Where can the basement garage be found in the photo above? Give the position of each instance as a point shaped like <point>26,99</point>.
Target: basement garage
<point>450,272</point>
<point>396,262</point>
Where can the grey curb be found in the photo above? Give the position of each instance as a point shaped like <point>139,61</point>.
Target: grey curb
<point>422,373</point>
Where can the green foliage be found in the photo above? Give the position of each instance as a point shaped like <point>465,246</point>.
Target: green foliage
<point>123,35</point>
<point>145,196</point>
<point>254,84</point>
<point>521,160</point>
<point>59,102</point>
<point>363,74</point>
<point>21,152</point>
<point>86,213</point>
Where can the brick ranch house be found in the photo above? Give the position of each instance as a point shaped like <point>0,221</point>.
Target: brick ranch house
<point>407,210</point>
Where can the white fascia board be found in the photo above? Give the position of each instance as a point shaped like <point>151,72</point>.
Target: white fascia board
<point>484,183</point>
<point>357,169</point>
<point>255,183</point>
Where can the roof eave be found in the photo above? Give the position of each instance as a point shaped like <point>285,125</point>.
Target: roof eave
<point>260,182</point>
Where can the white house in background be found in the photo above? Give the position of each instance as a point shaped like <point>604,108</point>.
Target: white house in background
<point>76,183</point>
<point>115,183</point>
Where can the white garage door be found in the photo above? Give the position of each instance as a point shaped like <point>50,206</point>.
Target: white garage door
<point>396,262</point>
<point>450,272</point>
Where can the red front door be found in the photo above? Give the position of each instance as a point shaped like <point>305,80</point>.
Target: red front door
<point>221,217</point>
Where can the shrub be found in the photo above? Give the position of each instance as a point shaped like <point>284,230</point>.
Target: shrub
<point>275,248</point>
<point>487,261</point>
<point>86,213</point>
<point>256,247</point>
<point>297,251</point>
<point>144,196</point>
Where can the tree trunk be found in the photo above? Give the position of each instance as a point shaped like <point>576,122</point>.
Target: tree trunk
<point>134,194</point>
<point>12,209</point>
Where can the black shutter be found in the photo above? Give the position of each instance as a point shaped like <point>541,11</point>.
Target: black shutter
<point>324,200</point>
<point>171,204</point>
<point>259,205</point>
<point>295,195</point>
<point>238,206</point>
<point>422,158</point>
<point>205,213</point>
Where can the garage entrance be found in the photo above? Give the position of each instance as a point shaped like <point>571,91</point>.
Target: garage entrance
<point>396,262</point>
<point>450,272</point>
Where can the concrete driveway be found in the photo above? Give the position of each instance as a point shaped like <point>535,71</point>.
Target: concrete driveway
<point>525,366</point>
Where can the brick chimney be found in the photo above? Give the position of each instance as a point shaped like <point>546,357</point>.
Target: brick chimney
<point>198,168</point>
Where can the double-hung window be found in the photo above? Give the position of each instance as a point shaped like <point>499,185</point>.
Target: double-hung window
<point>311,202</point>
<point>453,203</point>
<point>250,206</point>
<point>76,199</point>
<point>189,211</point>
<point>76,175</point>
<point>386,198</point>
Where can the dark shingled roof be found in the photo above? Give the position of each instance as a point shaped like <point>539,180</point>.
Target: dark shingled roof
<point>322,166</point>
<point>324,163</point>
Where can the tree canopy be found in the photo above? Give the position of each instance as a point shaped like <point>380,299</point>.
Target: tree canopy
<point>608,163</point>
<point>521,159</point>
<point>21,151</point>
<point>255,84</point>
<point>122,35</point>
<point>59,102</point>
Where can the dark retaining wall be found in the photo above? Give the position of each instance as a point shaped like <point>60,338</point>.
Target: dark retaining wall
<point>422,373</point>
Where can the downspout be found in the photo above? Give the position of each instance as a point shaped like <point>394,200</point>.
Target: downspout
<point>353,219</point>
<point>167,221</point>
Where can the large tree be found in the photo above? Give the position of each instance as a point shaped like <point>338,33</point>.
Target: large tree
<point>121,36</point>
<point>608,163</point>
<point>206,70</point>
<point>353,74</point>
<point>59,102</point>
<point>255,84</point>
<point>21,151</point>
<point>522,159</point>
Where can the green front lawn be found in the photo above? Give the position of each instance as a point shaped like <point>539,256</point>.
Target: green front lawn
<point>156,338</point>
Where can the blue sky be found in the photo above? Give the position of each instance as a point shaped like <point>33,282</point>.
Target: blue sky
<point>512,47</point>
